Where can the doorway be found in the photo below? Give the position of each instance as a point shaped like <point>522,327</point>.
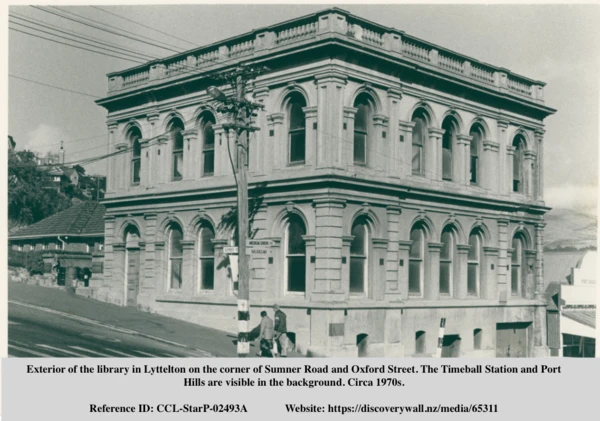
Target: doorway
<point>511,340</point>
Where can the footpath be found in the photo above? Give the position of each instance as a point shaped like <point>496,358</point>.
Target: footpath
<point>136,322</point>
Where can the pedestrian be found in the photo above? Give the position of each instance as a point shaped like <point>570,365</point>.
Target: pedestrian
<point>280,328</point>
<point>266,336</point>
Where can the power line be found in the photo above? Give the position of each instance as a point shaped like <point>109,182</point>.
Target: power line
<point>141,24</point>
<point>55,87</point>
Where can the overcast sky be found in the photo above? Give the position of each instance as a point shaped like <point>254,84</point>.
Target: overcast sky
<point>553,43</point>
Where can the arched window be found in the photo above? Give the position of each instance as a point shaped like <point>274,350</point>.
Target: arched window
<point>175,129</point>
<point>208,147</point>
<point>416,266</point>
<point>519,145</point>
<point>136,155</point>
<point>359,252</point>
<point>420,344</point>
<point>362,128</point>
<point>449,127</point>
<point>477,135</point>
<point>477,338</point>
<point>419,136</point>
<point>474,264</point>
<point>295,248</point>
<point>175,257</point>
<point>516,265</point>
<point>297,129</point>
<point>446,262</point>
<point>206,257</point>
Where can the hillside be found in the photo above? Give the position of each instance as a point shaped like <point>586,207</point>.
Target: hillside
<point>571,229</point>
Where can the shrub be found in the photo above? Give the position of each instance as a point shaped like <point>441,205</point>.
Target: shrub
<point>35,262</point>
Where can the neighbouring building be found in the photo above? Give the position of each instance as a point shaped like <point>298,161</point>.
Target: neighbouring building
<point>398,183</point>
<point>51,158</point>
<point>571,293</point>
<point>11,143</point>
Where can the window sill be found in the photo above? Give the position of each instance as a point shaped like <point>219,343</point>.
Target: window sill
<point>208,174</point>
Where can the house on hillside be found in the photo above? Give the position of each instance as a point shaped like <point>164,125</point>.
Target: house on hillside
<point>79,228</point>
<point>397,182</point>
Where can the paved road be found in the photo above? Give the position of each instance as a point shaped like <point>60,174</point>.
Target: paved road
<point>37,333</point>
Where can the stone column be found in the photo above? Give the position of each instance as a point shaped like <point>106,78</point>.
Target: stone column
<point>377,145</point>
<point>539,136</point>
<point>328,268</point>
<point>274,281</point>
<point>432,272</point>
<point>111,170</point>
<point>310,243</point>
<point>330,94</point>
<point>404,157</point>
<point>403,264</point>
<point>144,161</point>
<point>489,169</point>
<point>539,261</point>
<point>393,152</point>
<point>279,146</point>
<point>378,288</point>
<point>529,174</point>
<point>258,263</point>
<point>164,171</point>
<point>222,282</point>
<point>505,178</point>
<point>433,154</point>
<point>510,158</point>
<point>348,153</point>
<point>346,242</point>
<point>153,158</point>
<point>503,260</point>
<point>191,164</point>
<point>489,281</point>
<point>222,163</point>
<point>162,277</point>
<point>118,288</point>
<point>122,180</point>
<point>260,143</point>
<point>462,166</point>
<point>109,229</point>
<point>460,280</point>
<point>392,291</point>
<point>150,253</point>
<point>310,114</point>
<point>529,271</point>
<point>189,286</point>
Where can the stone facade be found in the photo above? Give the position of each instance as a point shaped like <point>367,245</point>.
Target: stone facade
<point>401,195</point>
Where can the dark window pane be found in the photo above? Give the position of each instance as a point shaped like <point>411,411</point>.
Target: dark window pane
<point>445,269</point>
<point>296,244</point>
<point>516,186</point>
<point>477,336</point>
<point>209,136</point>
<point>418,133</point>
<point>472,276</point>
<point>514,279</point>
<point>446,164</point>
<point>360,142</point>
<point>297,146</point>
<point>207,274</point>
<point>176,273</point>
<point>136,171</point>
<point>137,149</point>
<point>176,248</point>
<point>474,248</point>
<point>416,248</point>
<point>474,147</point>
<point>206,244</point>
<point>297,118</point>
<point>416,159</point>
<point>516,254</point>
<point>420,342</point>
<point>209,163</point>
<point>296,273</point>
<point>360,120</point>
<point>446,252</point>
<point>414,277</point>
<point>357,247</point>
<point>178,139</point>
<point>357,274</point>
<point>177,165</point>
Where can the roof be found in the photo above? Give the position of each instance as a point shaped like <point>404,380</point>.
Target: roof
<point>586,317</point>
<point>558,265</point>
<point>84,219</point>
<point>552,295</point>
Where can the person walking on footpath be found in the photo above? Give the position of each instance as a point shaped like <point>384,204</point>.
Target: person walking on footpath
<point>266,336</point>
<point>280,331</point>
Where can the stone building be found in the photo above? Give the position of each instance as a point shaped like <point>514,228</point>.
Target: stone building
<point>398,182</point>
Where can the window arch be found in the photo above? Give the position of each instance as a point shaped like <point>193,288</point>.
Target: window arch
<point>517,263</point>
<point>175,129</point>
<point>416,265</point>
<point>362,127</point>
<point>359,257</point>
<point>208,145</point>
<point>447,254</point>
<point>474,265</point>
<point>134,137</point>
<point>518,173</point>
<point>206,259</point>
<point>419,136</point>
<point>477,138</point>
<point>448,140</point>
<point>420,343</point>
<point>296,128</point>
<point>175,256</point>
<point>295,255</point>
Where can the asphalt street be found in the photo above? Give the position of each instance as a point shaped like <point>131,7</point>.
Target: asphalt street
<point>37,333</point>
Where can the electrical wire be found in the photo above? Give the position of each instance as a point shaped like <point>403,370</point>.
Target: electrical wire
<point>55,87</point>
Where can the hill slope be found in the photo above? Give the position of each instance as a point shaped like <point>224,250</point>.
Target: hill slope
<point>567,228</point>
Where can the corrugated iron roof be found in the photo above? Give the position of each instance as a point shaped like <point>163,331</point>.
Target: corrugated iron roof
<point>557,266</point>
<point>81,219</point>
<point>585,317</point>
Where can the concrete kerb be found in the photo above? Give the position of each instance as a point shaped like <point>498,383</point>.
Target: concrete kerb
<point>111,327</point>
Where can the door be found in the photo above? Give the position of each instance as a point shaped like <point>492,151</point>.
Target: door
<point>132,259</point>
<point>511,340</point>
<point>451,346</point>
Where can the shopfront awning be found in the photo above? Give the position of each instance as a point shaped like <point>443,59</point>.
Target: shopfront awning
<point>579,323</point>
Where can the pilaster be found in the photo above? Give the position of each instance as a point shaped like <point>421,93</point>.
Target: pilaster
<point>278,142</point>
<point>403,265</point>
<point>152,160</point>
<point>392,256</point>
<point>460,281</point>
<point>489,170</point>
<point>311,116</point>
<point>433,154</point>
<point>539,261</point>
<point>330,93</point>
<point>489,279</point>
<point>539,137</point>
<point>262,142</point>
<point>112,139</point>
<point>348,125</point>
<point>503,268</point>
<point>190,146</point>
<point>432,272</point>
<point>529,159</point>
<point>405,129</point>
<point>393,153</point>
<point>504,176</point>
<point>463,159</point>
<point>162,157</point>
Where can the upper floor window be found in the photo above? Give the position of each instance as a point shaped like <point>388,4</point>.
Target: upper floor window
<point>296,129</point>
<point>477,137</point>
<point>516,265</point>
<point>362,127</point>
<point>359,250</point>
<point>208,146</point>
<point>447,262</point>
<point>175,129</point>
<point>136,154</point>
<point>206,257</point>
<point>474,264</point>
<point>519,145</point>
<point>295,255</point>
<point>419,136</point>
<point>175,257</point>
<point>416,266</point>
<point>449,127</point>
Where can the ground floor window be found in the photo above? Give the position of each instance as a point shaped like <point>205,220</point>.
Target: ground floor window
<point>578,346</point>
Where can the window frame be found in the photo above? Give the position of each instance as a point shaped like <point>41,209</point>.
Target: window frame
<point>419,143</point>
<point>287,255</point>
<point>202,258</point>
<point>448,138</point>
<point>206,150</point>
<point>170,259</point>
<point>477,137</point>
<point>175,131</point>
<point>136,156</point>
<point>516,260</point>
<point>420,259</point>
<point>292,132</point>
<point>449,261</point>
<point>476,263</point>
<point>364,107</point>
<point>519,145</point>
<point>364,258</point>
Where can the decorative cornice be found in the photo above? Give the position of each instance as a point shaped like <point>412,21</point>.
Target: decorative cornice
<point>490,145</point>
<point>276,118</point>
<point>380,243</point>
<point>491,251</point>
<point>393,209</point>
<point>350,112</point>
<point>112,124</point>
<point>539,134</point>
<point>503,222</point>
<point>121,146</point>
<point>406,125</point>
<point>261,92</point>
<point>464,139</point>
<point>510,150</point>
<point>380,120</point>
<point>433,246</point>
<point>436,132</point>
<point>404,244</point>
<point>162,139</point>
<point>310,112</point>
<point>394,93</point>
<point>502,124</point>
<point>153,116</point>
<point>331,76</point>
<point>463,248</point>
<point>531,155</point>
<point>190,133</point>
<point>326,202</point>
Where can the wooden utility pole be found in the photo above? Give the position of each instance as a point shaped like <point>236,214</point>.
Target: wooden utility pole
<point>242,111</point>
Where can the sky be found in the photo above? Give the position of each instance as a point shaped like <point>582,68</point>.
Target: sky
<point>557,44</point>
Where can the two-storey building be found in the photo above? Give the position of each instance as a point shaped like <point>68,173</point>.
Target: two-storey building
<point>399,183</point>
